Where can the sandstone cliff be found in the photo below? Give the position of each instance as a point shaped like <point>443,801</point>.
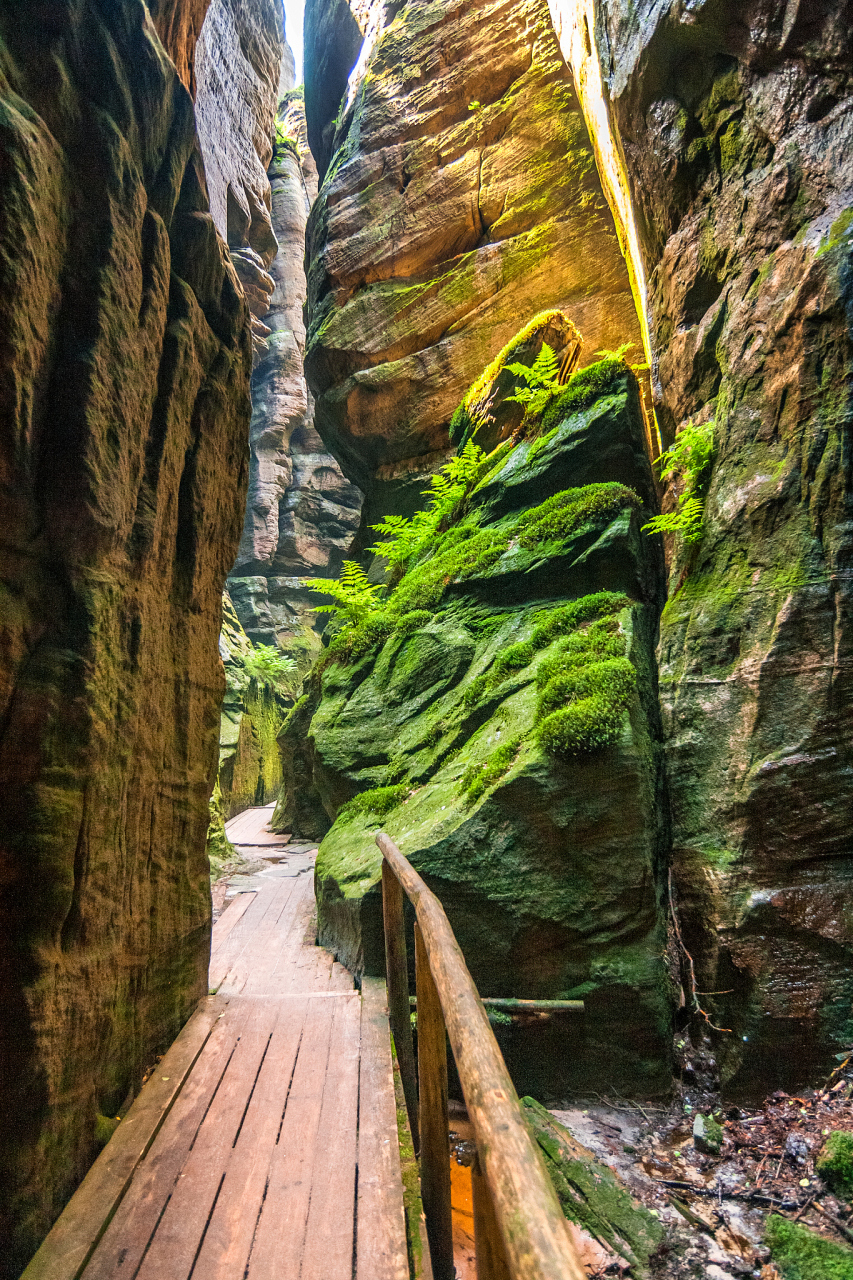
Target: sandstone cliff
<point>461,198</point>
<point>124,395</point>
<point>302,513</point>
<point>736,129</point>
<point>238,65</point>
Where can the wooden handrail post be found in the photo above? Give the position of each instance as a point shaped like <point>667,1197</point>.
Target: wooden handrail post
<point>434,1123</point>
<point>397,977</point>
<point>489,1245</point>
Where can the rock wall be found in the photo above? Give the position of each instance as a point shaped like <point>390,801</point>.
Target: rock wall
<point>736,124</point>
<point>429,720</point>
<point>124,382</point>
<point>302,514</point>
<point>179,27</point>
<point>238,66</point>
<point>461,198</point>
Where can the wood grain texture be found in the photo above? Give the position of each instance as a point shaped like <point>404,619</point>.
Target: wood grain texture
<point>490,1250</point>
<point>397,975</point>
<point>381,1231</point>
<point>78,1230</point>
<point>538,1243</point>
<point>434,1124</point>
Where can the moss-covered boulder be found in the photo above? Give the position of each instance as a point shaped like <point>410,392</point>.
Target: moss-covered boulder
<point>591,1194</point>
<point>498,718</point>
<point>801,1254</point>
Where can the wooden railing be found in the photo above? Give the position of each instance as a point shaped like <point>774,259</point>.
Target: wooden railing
<point>520,1230</point>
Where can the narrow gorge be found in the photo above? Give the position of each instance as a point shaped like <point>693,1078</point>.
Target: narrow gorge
<point>456,445</point>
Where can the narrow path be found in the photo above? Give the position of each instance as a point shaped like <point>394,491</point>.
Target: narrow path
<point>269,1153</point>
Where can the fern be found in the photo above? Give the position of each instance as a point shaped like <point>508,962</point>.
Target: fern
<point>353,594</point>
<point>271,669</point>
<point>403,539</point>
<point>687,460</point>
<point>541,382</point>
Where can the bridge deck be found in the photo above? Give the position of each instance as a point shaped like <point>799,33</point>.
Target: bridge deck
<point>265,1144</point>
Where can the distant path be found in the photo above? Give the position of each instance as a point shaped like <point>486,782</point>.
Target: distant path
<point>276,1092</point>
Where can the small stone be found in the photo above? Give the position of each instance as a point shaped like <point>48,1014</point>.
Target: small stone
<point>797,1148</point>
<point>707,1135</point>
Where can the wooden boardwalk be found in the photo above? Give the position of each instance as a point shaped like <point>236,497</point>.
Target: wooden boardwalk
<point>265,1144</point>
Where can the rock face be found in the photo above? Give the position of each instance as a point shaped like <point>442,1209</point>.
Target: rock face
<point>179,27</point>
<point>238,65</point>
<point>124,392</point>
<point>460,199</point>
<point>302,514</point>
<point>443,720</point>
<point>736,123</point>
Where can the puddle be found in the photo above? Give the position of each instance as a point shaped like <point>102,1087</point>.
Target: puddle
<point>462,1151</point>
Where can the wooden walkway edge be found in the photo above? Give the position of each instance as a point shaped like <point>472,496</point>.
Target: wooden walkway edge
<point>264,1145</point>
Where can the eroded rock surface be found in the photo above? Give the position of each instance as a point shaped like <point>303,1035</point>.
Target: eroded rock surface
<point>302,513</point>
<point>737,127</point>
<point>428,723</point>
<point>238,67</point>
<point>461,198</point>
<point>124,387</point>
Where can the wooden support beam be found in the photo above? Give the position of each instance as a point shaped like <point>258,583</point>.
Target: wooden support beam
<point>397,978</point>
<point>434,1123</point>
<point>535,1232</point>
<point>488,1241</point>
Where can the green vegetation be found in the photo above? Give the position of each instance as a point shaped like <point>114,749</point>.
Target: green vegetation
<point>473,411</point>
<point>835,1163</point>
<point>583,389</point>
<point>479,777</point>
<point>687,460</point>
<point>801,1255</point>
<point>271,669</point>
<point>354,595</point>
<point>376,803</point>
<point>283,142</point>
<point>540,382</point>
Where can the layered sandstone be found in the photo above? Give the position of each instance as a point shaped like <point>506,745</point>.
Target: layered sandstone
<point>238,65</point>
<point>124,386</point>
<point>461,198</point>
<point>736,126</point>
<point>302,514</point>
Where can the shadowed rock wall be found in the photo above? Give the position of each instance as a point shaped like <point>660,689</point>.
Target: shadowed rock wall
<point>124,378</point>
<point>461,198</point>
<point>736,122</point>
<point>302,513</point>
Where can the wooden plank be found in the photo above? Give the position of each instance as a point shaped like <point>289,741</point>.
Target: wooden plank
<point>280,1234</point>
<point>381,1233</point>
<point>539,1245</point>
<point>227,920</point>
<point>66,1250</point>
<point>432,1115</point>
<point>181,1229</point>
<point>330,1230</point>
<point>126,1238</point>
<point>261,940</point>
<point>397,973</point>
<point>490,1251</point>
<point>288,964</point>
<point>227,1244</point>
<point>243,936</point>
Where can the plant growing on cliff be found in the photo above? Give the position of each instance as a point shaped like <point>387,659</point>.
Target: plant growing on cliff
<point>541,382</point>
<point>353,593</point>
<point>271,669</point>
<point>403,538</point>
<point>686,461</point>
<point>283,142</point>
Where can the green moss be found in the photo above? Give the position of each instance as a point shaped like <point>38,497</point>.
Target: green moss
<point>801,1255</point>
<point>376,803</point>
<point>515,658</point>
<point>413,621</point>
<point>590,1193</point>
<point>468,416</point>
<point>582,389</point>
<point>731,146</point>
<point>105,1127</point>
<point>477,779</point>
<point>540,443</point>
<point>838,231</point>
<point>835,1162</point>
<point>597,695</point>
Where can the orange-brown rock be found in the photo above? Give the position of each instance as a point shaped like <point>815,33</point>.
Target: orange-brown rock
<point>179,27</point>
<point>736,122</point>
<point>461,199</point>
<point>124,376</point>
